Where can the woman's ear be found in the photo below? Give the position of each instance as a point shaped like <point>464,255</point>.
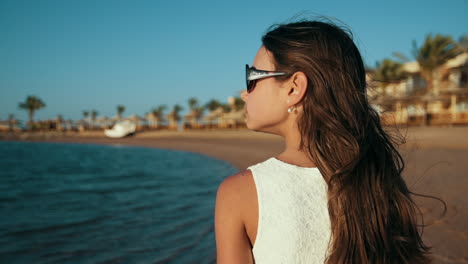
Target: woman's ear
<point>298,87</point>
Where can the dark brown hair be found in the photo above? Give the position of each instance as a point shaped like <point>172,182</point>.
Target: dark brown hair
<point>373,217</point>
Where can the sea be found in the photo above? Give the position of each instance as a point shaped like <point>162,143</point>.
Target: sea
<point>83,203</point>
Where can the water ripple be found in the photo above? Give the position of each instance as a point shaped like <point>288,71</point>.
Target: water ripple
<point>106,204</point>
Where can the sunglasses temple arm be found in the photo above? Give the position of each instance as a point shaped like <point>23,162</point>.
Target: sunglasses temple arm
<point>264,75</point>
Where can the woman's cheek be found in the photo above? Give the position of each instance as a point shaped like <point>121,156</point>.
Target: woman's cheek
<point>250,114</point>
<point>258,115</point>
<point>251,111</point>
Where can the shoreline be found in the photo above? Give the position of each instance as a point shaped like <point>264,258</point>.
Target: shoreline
<point>241,147</point>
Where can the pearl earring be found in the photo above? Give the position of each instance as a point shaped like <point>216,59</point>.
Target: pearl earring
<point>290,109</point>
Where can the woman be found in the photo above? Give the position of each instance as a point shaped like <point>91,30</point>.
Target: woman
<point>335,194</point>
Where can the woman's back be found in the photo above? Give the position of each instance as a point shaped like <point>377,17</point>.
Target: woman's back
<point>293,220</point>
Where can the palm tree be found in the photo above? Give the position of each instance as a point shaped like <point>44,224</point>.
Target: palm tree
<point>238,103</point>
<point>84,124</point>
<point>212,105</point>
<point>434,52</point>
<point>193,103</point>
<point>175,111</point>
<point>120,110</point>
<point>94,114</point>
<point>32,104</point>
<point>388,72</point>
<point>226,108</point>
<point>199,112</point>
<point>174,116</point>
<point>155,117</point>
<point>400,57</point>
<point>158,111</point>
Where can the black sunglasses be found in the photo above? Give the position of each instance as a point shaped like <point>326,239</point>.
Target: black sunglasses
<point>252,75</point>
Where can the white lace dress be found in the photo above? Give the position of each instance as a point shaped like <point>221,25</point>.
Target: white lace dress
<point>293,224</point>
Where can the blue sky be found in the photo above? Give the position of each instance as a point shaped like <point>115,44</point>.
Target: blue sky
<point>84,55</point>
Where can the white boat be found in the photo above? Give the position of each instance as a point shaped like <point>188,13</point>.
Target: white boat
<point>121,129</point>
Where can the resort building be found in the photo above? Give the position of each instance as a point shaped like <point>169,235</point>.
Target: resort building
<point>192,119</point>
<point>410,102</point>
<point>9,125</point>
<point>173,119</point>
<point>154,122</point>
<point>213,118</point>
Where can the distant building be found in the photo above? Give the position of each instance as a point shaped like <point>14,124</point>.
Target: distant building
<point>409,102</point>
<point>9,125</point>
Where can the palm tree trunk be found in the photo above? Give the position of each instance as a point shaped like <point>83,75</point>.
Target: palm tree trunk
<point>31,118</point>
<point>429,93</point>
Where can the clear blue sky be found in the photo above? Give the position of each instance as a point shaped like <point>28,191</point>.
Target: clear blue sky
<point>84,55</point>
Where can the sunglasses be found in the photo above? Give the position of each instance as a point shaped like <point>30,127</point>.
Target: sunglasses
<point>252,75</point>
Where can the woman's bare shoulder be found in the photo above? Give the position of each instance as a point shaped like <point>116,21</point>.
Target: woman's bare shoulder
<point>237,181</point>
<point>238,193</point>
<point>237,189</point>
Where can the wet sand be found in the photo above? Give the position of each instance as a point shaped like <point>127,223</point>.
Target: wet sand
<point>436,164</point>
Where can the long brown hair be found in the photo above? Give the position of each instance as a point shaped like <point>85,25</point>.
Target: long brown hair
<point>372,214</point>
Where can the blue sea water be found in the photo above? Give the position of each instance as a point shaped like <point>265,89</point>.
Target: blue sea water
<point>77,203</point>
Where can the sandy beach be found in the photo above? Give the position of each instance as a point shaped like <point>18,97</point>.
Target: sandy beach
<point>436,165</point>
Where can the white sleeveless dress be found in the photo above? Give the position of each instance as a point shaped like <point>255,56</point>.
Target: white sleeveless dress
<point>293,220</point>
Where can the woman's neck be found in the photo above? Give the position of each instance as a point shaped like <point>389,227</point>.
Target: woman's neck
<point>292,154</point>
